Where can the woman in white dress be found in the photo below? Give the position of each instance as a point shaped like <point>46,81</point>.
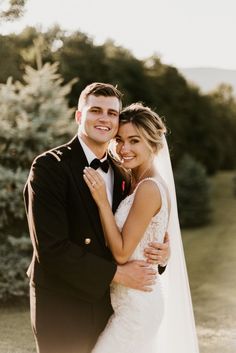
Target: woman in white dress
<point>141,218</point>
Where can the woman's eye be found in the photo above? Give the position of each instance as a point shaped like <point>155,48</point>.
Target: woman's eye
<point>134,141</point>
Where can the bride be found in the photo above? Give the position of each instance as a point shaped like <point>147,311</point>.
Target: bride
<point>160,321</point>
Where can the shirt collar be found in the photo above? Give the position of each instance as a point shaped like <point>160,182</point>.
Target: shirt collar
<point>88,153</point>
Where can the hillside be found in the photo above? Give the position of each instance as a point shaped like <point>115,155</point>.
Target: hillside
<point>209,78</point>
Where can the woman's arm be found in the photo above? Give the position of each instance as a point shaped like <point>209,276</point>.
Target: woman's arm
<point>147,202</point>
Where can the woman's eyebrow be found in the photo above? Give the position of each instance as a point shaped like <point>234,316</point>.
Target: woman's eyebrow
<point>130,137</point>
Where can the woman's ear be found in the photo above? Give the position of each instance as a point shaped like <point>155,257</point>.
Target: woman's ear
<point>154,148</point>
<point>78,116</point>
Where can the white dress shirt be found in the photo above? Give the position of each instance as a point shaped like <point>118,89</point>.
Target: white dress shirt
<point>107,177</point>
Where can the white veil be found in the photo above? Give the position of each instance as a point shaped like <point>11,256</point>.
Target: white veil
<point>177,333</point>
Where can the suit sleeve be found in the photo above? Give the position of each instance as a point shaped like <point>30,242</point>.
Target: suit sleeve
<point>46,205</point>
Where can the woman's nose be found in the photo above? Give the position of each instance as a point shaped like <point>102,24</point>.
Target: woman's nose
<point>125,147</point>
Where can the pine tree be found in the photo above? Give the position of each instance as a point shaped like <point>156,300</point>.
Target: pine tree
<point>34,117</point>
<point>192,190</point>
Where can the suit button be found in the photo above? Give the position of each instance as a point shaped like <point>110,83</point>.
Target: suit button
<point>87,241</point>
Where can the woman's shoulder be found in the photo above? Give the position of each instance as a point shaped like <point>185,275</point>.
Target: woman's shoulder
<point>148,189</point>
<point>148,184</point>
<point>147,198</point>
<point>151,194</point>
<point>154,187</point>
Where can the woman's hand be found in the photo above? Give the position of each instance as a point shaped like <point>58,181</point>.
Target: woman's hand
<point>96,186</point>
<point>158,253</point>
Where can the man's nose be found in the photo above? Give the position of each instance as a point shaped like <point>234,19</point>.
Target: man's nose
<point>104,116</point>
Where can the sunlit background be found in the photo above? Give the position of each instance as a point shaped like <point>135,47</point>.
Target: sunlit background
<point>183,37</point>
<point>185,33</point>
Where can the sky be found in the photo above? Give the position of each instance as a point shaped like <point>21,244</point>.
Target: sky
<point>184,33</point>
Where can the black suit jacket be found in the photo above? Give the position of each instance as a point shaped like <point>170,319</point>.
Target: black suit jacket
<point>69,252</point>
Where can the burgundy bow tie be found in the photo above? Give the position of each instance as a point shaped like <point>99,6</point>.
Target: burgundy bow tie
<point>96,163</point>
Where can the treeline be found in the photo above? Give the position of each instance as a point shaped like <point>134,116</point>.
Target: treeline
<point>41,72</point>
<point>202,124</point>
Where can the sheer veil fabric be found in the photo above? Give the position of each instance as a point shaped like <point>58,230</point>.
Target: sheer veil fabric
<point>177,333</point>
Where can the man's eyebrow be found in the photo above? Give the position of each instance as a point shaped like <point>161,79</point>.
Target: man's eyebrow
<point>100,108</point>
<point>113,110</point>
<point>95,106</point>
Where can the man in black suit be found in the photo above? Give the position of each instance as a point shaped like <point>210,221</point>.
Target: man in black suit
<point>72,268</point>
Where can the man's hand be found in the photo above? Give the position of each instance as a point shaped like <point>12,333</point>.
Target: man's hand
<point>158,253</point>
<point>136,275</point>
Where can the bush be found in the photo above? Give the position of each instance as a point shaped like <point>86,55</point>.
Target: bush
<point>11,201</point>
<point>234,185</point>
<point>192,190</point>
<point>15,256</point>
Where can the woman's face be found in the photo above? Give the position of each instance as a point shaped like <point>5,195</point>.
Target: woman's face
<point>131,147</point>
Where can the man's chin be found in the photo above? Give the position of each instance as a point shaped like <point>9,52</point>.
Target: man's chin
<point>102,139</point>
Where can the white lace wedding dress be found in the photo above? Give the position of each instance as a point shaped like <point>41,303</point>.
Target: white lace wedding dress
<point>137,315</point>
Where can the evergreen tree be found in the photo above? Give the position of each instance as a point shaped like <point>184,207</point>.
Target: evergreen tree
<point>192,190</point>
<point>34,117</point>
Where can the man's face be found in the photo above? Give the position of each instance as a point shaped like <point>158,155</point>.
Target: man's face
<point>98,120</point>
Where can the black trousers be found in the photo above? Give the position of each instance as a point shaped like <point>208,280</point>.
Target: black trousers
<point>64,324</point>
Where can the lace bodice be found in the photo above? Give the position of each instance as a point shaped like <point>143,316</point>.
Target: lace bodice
<point>157,227</point>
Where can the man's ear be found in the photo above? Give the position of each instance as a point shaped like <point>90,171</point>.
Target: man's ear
<point>78,116</point>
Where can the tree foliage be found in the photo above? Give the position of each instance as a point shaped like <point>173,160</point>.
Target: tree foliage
<point>40,72</point>
<point>193,193</point>
<point>34,116</point>
<point>224,103</point>
<point>11,9</point>
<point>202,124</point>
<point>14,259</point>
<point>10,59</point>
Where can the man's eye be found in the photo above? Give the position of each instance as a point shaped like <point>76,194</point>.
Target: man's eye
<point>95,110</point>
<point>113,114</point>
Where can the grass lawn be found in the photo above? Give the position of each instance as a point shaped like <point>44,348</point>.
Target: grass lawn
<point>15,330</point>
<point>211,260</point>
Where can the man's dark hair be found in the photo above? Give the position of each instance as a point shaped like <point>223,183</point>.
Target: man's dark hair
<point>99,89</point>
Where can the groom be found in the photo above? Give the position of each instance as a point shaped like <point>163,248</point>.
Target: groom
<point>72,268</point>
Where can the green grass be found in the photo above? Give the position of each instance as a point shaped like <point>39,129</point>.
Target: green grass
<point>15,330</point>
<point>211,260</point>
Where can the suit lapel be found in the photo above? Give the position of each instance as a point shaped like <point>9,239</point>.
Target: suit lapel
<point>77,163</point>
